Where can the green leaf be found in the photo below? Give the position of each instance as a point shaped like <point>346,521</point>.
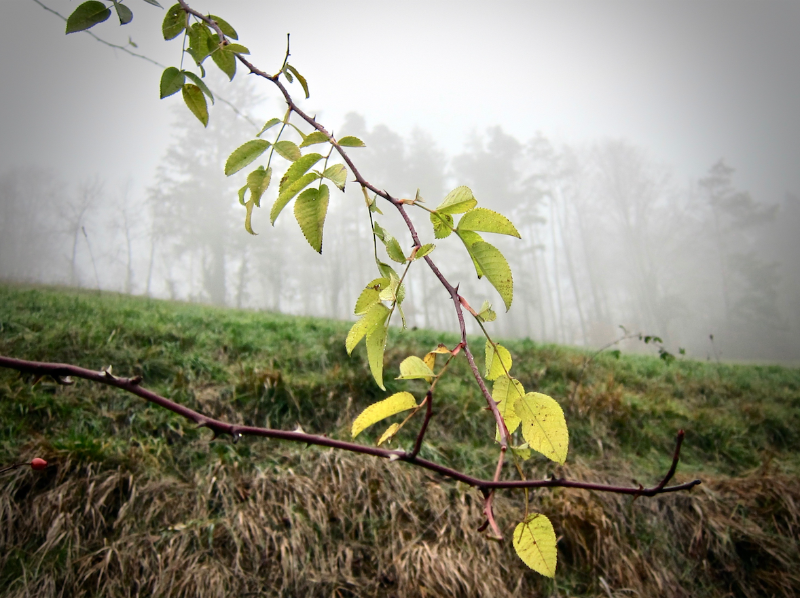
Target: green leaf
<point>522,452</point>
<point>424,250</point>
<point>310,210</point>
<point>289,193</point>
<point>412,368</point>
<point>442,225</point>
<point>388,434</point>
<point>247,225</point>
<point>506,391</point>
<point>535,543</point>
<point>370,295</point>
<point>258,182</point>
<point>87,15</point>
<point>225,60</point>
<point>394,250</point>
<point>174,22</point>
<point>376,316</point>
<point>469,238</point>
<point>225,27</point>
<point>303,82</point>
<point>314,138</point>
<point>242,192</point>
<point>379,231</point>
<point>486,314</point>
<point>397,403</point>
<point>235,49</point>
<point>543,425</point>
<point>200,83</point>
<point>457,201</point>
<point>124,13</point>
<point>495,268</point>
<point>201,43</point>
<point>196,102</point>
<point>350,141</point>
<point>244,155</point>
<point>171,81</point>
<point>268,125</point>
<point>298,169</point>
<point>487,221</point>
<point>288,150</point>
<point>153,3</point>
<point>498,361</point>
<point>376,345</point>
<point>337,174</point>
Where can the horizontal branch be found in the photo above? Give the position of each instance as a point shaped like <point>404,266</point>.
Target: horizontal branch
<point>63,374</point>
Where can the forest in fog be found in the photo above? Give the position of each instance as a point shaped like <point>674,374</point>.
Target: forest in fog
<point>610,238</point>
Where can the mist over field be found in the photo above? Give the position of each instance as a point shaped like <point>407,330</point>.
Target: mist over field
<point>647,155</point>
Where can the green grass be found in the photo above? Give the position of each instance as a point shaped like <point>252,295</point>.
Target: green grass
<point>280,371</point>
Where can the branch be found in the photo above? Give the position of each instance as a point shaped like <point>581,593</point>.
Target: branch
<point>62,374</point>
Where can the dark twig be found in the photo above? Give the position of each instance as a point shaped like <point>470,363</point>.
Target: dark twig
<point>428,414</point>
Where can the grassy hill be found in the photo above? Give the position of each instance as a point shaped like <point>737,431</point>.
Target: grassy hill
<point>139,502</point>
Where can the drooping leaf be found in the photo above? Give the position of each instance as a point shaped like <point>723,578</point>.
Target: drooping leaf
<point>196,102</point>
<point>413,368</point>
<point>310,210</point>
<point>337,174</point>
<point>535,543</point>
<point>268,125</point>
<point>247,224</point>
<point>397,403</point>
<point>459,200</point>
<point>376,346</point>
<point>288,194</point>
<point>495,268</point>
<point>379,231</point>
<point>388,434</point>
<point>487,221</point>
<point>201,43</point>
<point>387,271</point>
<point>200,83</point>
<point>394,251</point>
<point>87,15</point>
<point>430,359</point>
<point>225,27</point>
<point>288,150</point>
<point>498,361</point>
<point>244,155</point>
<point>171,81</point>
<point>301,78</point>
<point>297,169</point>
<point>469,238</point>
<point>174,22</point>
<point>506,391</point>
<point>543,425</point>
<point>242,192</point>
<point>258,182</point>
<point>351,141</point>
<point>124,13</point>
<point>153,3</point>
<point>376,316</point>
<point>313,138</point>
<point>424,250</point>
<point>224,58</point>
<point>442,225</point>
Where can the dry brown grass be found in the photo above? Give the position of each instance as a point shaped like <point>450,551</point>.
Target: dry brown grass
<point>327,524</point>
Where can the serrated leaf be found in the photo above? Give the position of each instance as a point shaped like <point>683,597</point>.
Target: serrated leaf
<point>387,271</point>
<point>196,102</point>
<point>87,15</point>
<point>388,434</point>
<point>225,27</point>
<point>268,125</point>
<point>124,13</point>
<point>351,141</point>
<point>543,425</point>
<point>200,83</point>
<point>244,155</point>
<point>370,295</point>
<point>397,403</point>
<point>459,200</point>
<point>247,224</point>
<point>487,221</point>
<point>412,368</point>
<point>379,231</point>
<point>297,169</point>
<point>171,81</point>
<point>498,361</point>
<point>506,391</point>
<point>224,59</point>
<point>313,138</point>
<point>495,268</point>
<point>469,238</point>
<point>376,316</point>
<point>310,210</point>
<point>303,82</point>
<point>258,182</point>
<point>174,22</point>
<point>376,346</point>
<point>535,543</point>
<point>394,251</point>
<point>424,250</point>
<point>288,194</point>
<point>337,174</point>
<point>288,150</point>
<point>442,225</point>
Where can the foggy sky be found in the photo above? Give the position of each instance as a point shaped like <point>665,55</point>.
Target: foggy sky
<point>692,82</point>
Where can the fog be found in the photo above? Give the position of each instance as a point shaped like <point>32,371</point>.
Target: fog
<point>648,156</point>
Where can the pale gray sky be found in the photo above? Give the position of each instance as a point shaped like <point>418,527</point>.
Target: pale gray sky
<point>691,82</point>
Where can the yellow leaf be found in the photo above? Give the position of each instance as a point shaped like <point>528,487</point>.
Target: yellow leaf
<point>430,359</point>
<point>389,433</point>
<point>413,367</point>
<point>543,425</point>
<point>506,391</point>
<point>376,346</point>
<point>375,316</point>
<point>535,543</point>
<point>497,358</point>
<point>398,402</point>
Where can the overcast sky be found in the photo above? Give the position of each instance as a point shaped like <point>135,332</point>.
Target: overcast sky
<point>691,82</point>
